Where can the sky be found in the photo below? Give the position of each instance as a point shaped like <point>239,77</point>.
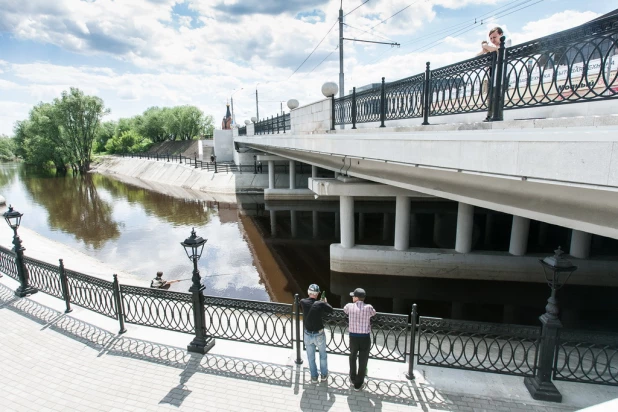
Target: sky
<point>136,54</point>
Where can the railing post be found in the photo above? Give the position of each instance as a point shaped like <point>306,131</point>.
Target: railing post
<point>168,156</point>
<point>332,112</point>
<point>499,90</point>
<point>283,120</point>
<point>382,104</point>
<point>119,307</point>
<point>413,317</point>
<point>426,94</point>
<point>353,107</point>
<point>298,360</point>
<point>195,160</point>
<point>64,285</point>
<point>215,165</point>
<point>277,123</point>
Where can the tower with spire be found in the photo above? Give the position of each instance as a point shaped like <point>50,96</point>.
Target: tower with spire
<point>226,124</point>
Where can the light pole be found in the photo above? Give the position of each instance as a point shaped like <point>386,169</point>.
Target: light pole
<point>194,246</point>
<point>13,219</point>
<point>557,271</point>
<point>257,110</point>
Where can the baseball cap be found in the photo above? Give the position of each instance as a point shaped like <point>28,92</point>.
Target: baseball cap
<point>314,288</point>
<point>358,292</point>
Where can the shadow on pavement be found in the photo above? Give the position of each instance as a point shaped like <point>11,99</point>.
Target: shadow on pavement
<point>322,395</point>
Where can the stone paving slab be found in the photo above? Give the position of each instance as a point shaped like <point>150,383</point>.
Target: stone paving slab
<point>52,361</point>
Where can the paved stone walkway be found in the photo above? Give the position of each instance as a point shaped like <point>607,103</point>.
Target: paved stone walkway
<point>51,361</point>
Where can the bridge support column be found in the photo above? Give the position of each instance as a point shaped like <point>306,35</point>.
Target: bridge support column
<point>580,244</point>
<point>465,220</point>
<point>271,174</point>
<point>346,205</point>
<point>293,223</point>
<point>519,236</point>
<point>292,174</point>
<point>314,171</point>
<point>386,225</point>
<point>273,223</point>
<point>361,226</point>
<point>402,223</point>
<point>314,221</point>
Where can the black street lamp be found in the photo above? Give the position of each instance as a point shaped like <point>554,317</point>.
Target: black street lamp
<point>557,270</point>
<point>13,219</point>
<point>194,246</point>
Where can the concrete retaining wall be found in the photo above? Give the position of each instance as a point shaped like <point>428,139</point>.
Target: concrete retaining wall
<point>312,118</point>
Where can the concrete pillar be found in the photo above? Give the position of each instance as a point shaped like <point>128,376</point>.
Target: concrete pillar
<point>273,223</point>
<point>402,223</point>
<point>271,174</point>
<point>580,244</point>
<point>346,206</point>
<point>457,310</point>
<point>314,171</point>
<point>386,225</point>
<point>414,230</point>
<point>361,226</point>
<point>543,227</point>
<point>337,226</point>
<point>292,174</point>
<point>489,229</point>
<point>399,306</point>
<point>336,174</point>
<point>519,236</point>
<point>465,221</point>
<point>314,220</point>
<point>293,223</point>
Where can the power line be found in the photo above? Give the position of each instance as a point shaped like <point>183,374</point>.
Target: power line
<point>408,6</point>
<point>313,51</point>
<point>323,60</point>
<point>354,9</point>
<point>366,31</point>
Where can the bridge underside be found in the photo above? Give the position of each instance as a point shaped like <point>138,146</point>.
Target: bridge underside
<point>568,205</point>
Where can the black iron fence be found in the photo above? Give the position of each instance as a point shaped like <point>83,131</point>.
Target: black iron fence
<point>220,167</point>
<point>242,131</point>
<point>497,348</point>
<point>575,65</point>
<point>276,124</point>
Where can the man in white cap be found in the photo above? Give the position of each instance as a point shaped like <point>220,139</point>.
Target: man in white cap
<point>359,326</point>
<point>313,310</point>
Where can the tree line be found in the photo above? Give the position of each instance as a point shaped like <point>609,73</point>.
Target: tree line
<point>67,131</point>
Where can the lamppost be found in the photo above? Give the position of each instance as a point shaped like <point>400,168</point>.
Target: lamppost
<point>557,271</point>
<point>13,219</point>
<point>194,246</point>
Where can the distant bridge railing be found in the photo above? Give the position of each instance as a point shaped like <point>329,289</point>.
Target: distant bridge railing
<point>276,124</point>
<point>572,66</point>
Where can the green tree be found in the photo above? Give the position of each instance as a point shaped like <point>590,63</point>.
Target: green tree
<point>7,148</point>
<point>129,142</point>
<point>79,117</point>
<point>153,125</point>
<point>104,133</point>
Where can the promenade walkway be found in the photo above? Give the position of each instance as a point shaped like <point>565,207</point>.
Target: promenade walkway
<point>56,362</point>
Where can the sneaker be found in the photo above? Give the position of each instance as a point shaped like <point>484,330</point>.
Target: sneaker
<point>359,388</point>
<point>314,380</point>
<point>323,378</point>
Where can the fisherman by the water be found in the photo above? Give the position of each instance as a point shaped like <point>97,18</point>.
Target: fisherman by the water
<point>159,283</point>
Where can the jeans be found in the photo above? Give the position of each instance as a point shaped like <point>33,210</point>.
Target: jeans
<point>313,341</point>
<point>359,347</point>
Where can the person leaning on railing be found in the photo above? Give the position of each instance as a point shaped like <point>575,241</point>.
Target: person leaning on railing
<point>313,310</point>
<point>494,38</point>
<point>359,326</point>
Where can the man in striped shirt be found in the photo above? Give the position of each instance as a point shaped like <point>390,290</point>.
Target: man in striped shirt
<point>359,326</point>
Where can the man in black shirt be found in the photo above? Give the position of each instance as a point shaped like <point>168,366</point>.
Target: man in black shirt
<point>313,310</point>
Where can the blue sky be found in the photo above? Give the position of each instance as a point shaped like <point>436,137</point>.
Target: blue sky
<point>141,53</point>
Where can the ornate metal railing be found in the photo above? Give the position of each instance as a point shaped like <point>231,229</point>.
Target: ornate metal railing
<point>485,347</point>
<point>263,323</point>
<point>158,308</point>
<point>7,262</point>
<point>389,335</point>
<point>44,277</point>
<point>242,131</point>
<point>276,124</point>
<point>586,357</point>
<point>575,65</point>
<point>91,293</point>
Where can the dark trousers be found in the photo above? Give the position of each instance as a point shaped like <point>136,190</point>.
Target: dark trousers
<point>359,348</point>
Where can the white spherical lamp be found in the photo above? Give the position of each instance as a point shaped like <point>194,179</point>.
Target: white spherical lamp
<point>254,119</point>
<point>292,104</point>
<point>247,122</point>
<point>329,89</point>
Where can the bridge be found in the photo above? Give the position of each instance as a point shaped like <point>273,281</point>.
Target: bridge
<point>548,154</point>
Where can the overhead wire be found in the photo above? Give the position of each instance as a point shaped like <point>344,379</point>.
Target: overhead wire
<point>366,31</point>
<point>314,49</point>
<point>323,60</point>
<point>355,8</point>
